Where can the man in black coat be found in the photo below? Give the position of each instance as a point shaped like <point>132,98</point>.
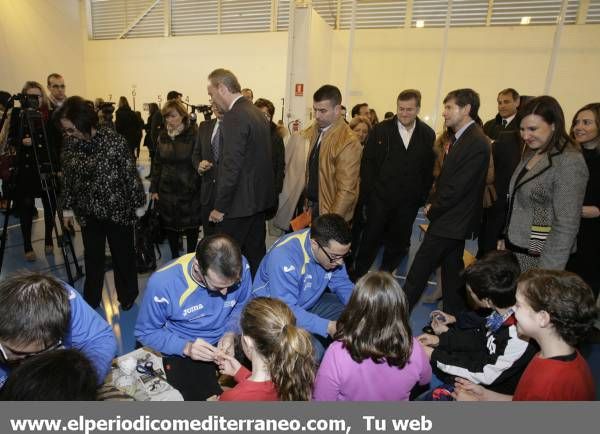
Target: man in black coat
<point>244,187</point>
<point>455,207</point>
<point>206,163</point>
<point>396,176</point>
<point>506,119</point>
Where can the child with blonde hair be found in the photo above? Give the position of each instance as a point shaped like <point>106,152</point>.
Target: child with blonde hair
<point>283,366</point>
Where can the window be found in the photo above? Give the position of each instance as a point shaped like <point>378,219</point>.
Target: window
<point>512,12</point>
<point>373,14</point>
<point>112,19</point>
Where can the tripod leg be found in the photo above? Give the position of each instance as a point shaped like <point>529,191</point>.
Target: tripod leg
<point>5,232</point>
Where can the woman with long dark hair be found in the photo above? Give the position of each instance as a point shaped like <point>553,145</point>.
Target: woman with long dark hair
<point>546,190</point>
<point>151,136</point>
<point>374,356</point>
<point>585,130</point>
<point>103,189</point>
<point>129,126</point>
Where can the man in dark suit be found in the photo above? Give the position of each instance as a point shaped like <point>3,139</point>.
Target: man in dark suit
<point>205,161</point>
<point>244,182</point>
<point>506,119</point>
<point>455,207</point>
<point>396,176</point>
<point>502,130</point>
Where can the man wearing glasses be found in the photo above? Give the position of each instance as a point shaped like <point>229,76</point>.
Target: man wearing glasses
<point>298,269</point>
<point>39,314</point>
<point>191,311</point>
<point>56,89</point>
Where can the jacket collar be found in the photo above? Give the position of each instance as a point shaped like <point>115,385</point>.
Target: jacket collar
<point>313,131</point>
<point>544,164</point>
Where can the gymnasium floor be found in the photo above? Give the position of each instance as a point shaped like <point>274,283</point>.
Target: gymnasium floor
<point>123,322</point>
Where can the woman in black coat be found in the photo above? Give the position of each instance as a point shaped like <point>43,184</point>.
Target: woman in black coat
<point>149,139</point>
<point>585,129</point>
<point>175,182</point>
<point>129,125</point>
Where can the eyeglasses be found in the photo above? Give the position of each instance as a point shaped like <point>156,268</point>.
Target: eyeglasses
<point>10,355</point>
<point>333,258</point>
<point>208,285</point>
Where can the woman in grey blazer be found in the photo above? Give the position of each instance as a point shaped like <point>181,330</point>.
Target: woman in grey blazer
<point>546,190</point>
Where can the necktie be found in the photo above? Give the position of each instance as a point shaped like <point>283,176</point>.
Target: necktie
<point>452,138</point>
<point>504,123</point>
<point>215,144</point>
<point>317,144</point>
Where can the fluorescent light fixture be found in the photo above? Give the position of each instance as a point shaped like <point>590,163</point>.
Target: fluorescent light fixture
<point>420,23</point>
<point>525,20</point>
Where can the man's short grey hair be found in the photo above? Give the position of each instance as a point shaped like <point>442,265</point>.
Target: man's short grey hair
<point>226,78</point>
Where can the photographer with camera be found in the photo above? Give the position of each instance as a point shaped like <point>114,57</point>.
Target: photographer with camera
<point>31,161</point>
<point>103,189</point>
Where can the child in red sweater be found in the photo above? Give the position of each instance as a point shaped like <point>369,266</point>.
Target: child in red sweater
<point>283,365</point>
<point>557,309</point>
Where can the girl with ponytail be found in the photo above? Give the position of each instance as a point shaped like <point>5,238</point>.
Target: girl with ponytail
<point>283,366</point>
<point>374,356</point>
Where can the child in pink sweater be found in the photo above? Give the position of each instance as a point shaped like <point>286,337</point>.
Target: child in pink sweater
<point>374,357</point>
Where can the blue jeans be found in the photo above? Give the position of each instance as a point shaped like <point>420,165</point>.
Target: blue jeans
<point>329,307</point>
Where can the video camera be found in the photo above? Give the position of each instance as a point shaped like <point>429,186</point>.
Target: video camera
<point>28,101</point>
<point>206,110</point>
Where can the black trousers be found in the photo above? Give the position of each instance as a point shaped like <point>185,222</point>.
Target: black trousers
<point>387,226</point>
<point>250,233</point>
<point>173,237</point>
<point>121,244</point>
<point>438,251</point>
<point>194,379</point>
<point>492,222</point>
<point>26,204</point>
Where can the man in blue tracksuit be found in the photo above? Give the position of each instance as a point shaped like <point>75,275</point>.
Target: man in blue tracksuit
<point>300,266</point>
<point>39,313</point>
<point>191,311</point>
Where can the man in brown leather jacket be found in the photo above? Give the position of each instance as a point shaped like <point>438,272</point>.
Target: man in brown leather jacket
<point>333,164</point>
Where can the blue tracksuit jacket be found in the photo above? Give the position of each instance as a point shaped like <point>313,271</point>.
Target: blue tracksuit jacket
<point>176,310</point>
<point>290,272</point>
<point>88,333</point>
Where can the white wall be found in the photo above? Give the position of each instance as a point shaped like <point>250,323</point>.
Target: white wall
<point>42,36</point>
<point>38,37</point>
<point>158,65</point>
<point>486,59</point>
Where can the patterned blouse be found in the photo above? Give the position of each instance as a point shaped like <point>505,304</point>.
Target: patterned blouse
<point>101,179</point>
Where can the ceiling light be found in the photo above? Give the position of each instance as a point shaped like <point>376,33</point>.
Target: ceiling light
<point>525,20</point>
<point>420,24</point>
